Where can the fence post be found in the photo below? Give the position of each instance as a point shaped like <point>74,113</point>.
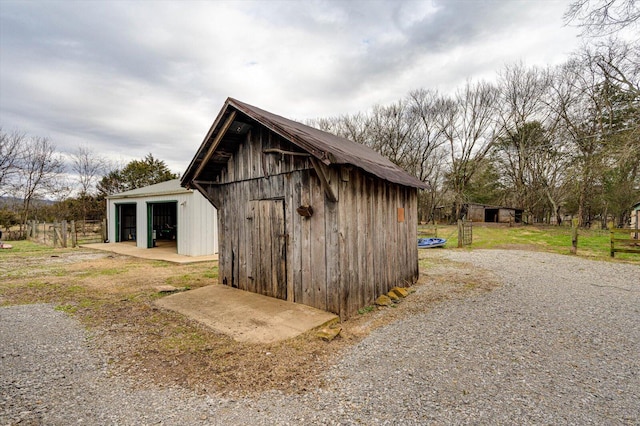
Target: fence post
<point>460,233</point>
<point>74,235</point>
<point>611,241</point>
<point>105,233</point>
<point>574,236</point>
<point>64,233</point>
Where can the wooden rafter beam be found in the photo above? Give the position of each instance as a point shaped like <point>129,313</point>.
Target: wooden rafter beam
<point>280,151</point>
<point>208,195</point>
<point>324,182</point>
<point>214,144</point>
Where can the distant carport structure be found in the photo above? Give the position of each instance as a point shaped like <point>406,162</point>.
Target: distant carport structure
<point>304,215</point>
<point>493,214</point>
<point>164,213</point>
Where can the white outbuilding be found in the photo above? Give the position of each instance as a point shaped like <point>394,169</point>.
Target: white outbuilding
<point>164,214</point>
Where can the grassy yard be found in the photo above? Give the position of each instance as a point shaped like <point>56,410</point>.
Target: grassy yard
<point>113,297</point>
<point>591,243</point>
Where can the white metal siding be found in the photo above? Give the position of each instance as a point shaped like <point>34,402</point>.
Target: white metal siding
<point>197,222</point>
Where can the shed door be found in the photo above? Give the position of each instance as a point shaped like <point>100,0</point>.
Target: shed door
<point>269,249</point>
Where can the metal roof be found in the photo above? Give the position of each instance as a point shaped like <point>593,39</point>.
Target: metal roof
<point>169,187</point>
<point>326,147</point>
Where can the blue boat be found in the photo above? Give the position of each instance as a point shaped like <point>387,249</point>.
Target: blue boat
<point>431,242</point>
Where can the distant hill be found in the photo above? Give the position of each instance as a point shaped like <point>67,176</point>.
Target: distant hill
<point>12,201</point>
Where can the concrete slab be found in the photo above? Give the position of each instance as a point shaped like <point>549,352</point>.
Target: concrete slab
<point>165,251</point>
<point>245,316</point>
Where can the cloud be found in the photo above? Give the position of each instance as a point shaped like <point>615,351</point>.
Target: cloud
<point>131,77</point>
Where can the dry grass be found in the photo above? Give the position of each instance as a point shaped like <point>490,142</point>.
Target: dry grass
<point>113,297</point>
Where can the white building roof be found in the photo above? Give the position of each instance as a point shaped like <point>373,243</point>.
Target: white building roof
<point>170,187</point>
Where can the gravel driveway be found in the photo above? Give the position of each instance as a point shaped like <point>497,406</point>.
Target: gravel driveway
<point>557,343</point>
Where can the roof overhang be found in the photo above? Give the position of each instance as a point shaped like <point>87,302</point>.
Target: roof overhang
<point>236,118</point>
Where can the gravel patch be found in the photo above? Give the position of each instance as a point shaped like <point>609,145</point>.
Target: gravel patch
<point>557,343</point>
<point>50,376</point>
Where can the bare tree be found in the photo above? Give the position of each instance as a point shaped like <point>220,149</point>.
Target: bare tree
<point>521,95</point>
<point>10,154</point>
<point>88,168</point>
<point>616,65</point>
<point>392,132</point>
<point>526,121</point>
<point>603,17</point>
<point>40,173</point>
<point>354,127</point>
<point>429,156</point>
<point>601,120</point>
<point>618,62</point>
<point>469,124</point>
<point>574,103</point>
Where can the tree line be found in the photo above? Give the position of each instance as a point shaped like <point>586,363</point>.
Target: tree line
<point>557,141</point>
<point>38,182</point>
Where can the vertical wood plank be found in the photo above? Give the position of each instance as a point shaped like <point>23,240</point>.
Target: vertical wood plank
<point>332,250</point>
<point>343,249</point>
<point>318,245</point>
<point>305,243</point>
<point>252,250</point>
<point>235,232</point>
<point>414,233</point>
<point>294,255</point>
<point>263,282</point>
<point>384,221</point>
<point>225,248</point>
<point>244,235</point>
<point>352,240</point>
<point>370,278</point>
<point>280,249</point>
<point>393,226</point>
<point>361,238</point>
<point>288,224</point>
<point>241,158</point>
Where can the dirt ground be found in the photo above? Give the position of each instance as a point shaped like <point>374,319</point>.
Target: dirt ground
<point>112,295</point>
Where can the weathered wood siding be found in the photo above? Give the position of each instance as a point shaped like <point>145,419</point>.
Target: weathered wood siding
<point>475,213</point>
<point>376,250</point>
<point>339,259</point>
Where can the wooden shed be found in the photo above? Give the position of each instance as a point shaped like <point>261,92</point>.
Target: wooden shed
<point>493,214</point>
<point>304,215</point>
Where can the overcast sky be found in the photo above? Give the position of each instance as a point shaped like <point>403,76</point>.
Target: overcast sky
<point>131,77</point>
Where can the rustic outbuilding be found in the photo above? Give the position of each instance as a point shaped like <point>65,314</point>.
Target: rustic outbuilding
<point>304,215</point>
<point>164,213</point>
<point>492,214</point>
